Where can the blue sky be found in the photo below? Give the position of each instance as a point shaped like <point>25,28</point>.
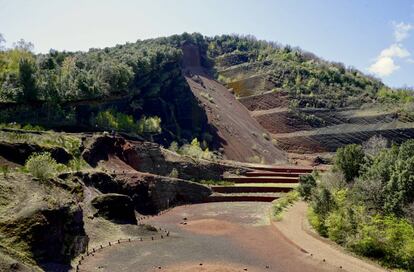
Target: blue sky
<point>375,36</point>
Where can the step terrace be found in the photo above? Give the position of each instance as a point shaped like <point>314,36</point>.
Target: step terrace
<point>240,179</point>
<point>253,197</point>
<point>250,189</point>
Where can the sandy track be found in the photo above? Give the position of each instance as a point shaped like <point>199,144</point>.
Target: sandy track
<point>295,227</point>
<point>225,237</point>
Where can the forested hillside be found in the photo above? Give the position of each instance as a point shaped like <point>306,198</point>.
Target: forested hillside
<point>139,87</point>
<point>309,80</point>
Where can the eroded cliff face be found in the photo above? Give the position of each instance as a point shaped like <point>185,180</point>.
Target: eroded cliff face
<point>52,235</point>
<point>40,222</point>
<point>149,193</point>
<point>151,158</point>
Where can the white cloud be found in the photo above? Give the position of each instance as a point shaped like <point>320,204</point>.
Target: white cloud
<point>384,66</point>
<point>395,50</point>
<point>402,31</point>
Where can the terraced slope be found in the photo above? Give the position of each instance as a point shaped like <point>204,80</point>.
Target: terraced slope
<point>314,130</point>
<point>262,183</point>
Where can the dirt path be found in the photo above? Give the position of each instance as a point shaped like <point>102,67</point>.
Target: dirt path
<point>295,227</point>
<point>212,237</point>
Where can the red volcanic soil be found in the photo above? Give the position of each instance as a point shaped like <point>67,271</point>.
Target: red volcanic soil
<point>266,101</point>
<point>206,267</point>
<point>242,137</point>
<point>223,237</point>
<point>210,227</point>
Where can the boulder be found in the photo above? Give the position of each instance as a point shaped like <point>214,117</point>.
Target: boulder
<point>115,207</point>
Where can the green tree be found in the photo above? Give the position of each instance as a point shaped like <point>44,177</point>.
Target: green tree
<point>27,77</point>
<point>349,160</point>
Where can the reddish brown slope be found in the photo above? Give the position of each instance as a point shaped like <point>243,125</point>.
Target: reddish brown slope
<point>243,138</point>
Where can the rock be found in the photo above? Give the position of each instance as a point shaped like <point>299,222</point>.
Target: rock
<point>20,152</point>
<point>319,160</point>
<point>115,207</point>
<point>53,235</point>
<point>152,158</point>
<point>150,193</point>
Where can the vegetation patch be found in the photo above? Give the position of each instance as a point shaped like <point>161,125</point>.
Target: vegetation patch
<point>366,202</point>
<point>113,120</point>
<point>47,139</point>
<point>216,182</point>
<point>194,150</point>
<point>282,203</point>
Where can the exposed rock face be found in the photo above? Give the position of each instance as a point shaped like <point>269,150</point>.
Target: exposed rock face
<point>41,220</point>
<point>53,235</point>
<point>149,193</point>
<point>19,152</point>
<point>151,158</point>
<point>8,263</point>
<point>115,207</point>
<point>100,147</point>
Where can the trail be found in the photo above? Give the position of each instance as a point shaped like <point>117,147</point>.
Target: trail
<point>295,227</point>
<point>225,237</point>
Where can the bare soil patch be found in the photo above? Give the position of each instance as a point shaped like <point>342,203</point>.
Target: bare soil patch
<point>211,227</point>
<point>206,267</point>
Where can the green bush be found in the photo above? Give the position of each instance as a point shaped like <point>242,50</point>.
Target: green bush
<point>5,170</point>
<point>317,222</point>
<point>174,173</point>
<point>371,216</point>
<point>149,125</point>
<point>387,238</point>
<point>279,205</point>
<point>216,182</point>
<point>323,201</point>
<point>349,160</point>
<point>193,150</point>
<point>307,184</point>
<point>42,165</point>
<point>113,120</point>
<point>77,164</point>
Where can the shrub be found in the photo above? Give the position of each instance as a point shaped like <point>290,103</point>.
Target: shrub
<point>317,222</point>
<point>77,164</point>
<point>399,190</point>
<point>193,150</point>
<point>371,216</point>
<point>174,147</point>
<point>375,145</point>
<point>266,137</point>
<point>111,119</point>
<point>216,182</point>
<point>349,160</point>
<point>207,96</point>
<point>388,238</point>
<point>307,184</point>
<point>256,159</point>
<point>174,173</point>
<point>5,170</point>
<point>280,204</point>
<point>41,165</point>
<point>149,125</point>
